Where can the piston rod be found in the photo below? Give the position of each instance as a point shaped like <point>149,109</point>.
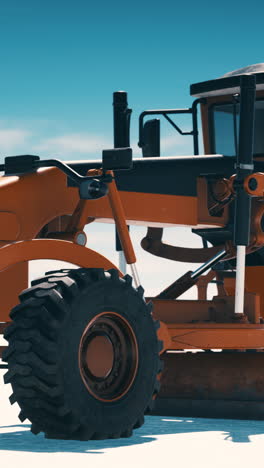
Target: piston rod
<point>135,274</point>
<point>189,279</point>
<point>203,268</point>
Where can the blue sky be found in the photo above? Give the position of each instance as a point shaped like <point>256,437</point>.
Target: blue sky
<point>61,61</point>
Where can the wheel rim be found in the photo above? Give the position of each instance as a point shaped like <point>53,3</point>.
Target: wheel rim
<point>108,356</point>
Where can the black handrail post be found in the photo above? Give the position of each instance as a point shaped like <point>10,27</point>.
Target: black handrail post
<point>122,116</point>
<point>244,164</point>
<point>195,127</point>
<point>244,167</point>
<point>121,120</point>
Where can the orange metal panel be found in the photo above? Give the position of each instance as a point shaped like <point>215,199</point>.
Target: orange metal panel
<point>9,226</point>
<point>12,280</point>
<point>216,336</point>
<point>219,310</point>
<point>34,250</point>
<point>209,324</point>
<point>151,209</point>
<point>254,279</point>
<point>34,211</point>
<point>181,311</point>
<point>33,202</point>
<point>54,250</point>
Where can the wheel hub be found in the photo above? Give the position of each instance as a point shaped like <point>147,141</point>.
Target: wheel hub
<point>100,356</point>
<point>108,356</point>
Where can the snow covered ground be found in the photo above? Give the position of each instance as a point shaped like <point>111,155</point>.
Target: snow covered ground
<point>180,442</point>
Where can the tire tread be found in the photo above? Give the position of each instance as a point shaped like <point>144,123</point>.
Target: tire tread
<point>31,354</point>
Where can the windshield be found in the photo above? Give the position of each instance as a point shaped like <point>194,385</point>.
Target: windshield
<point>225,134</point>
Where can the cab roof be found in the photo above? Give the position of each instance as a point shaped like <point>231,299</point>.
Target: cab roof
<point>228,83</point>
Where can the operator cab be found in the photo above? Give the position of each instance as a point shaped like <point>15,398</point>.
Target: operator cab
<point>220,111</point>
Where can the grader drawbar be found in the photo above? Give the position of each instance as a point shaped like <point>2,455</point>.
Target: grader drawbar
<point>88,354</point>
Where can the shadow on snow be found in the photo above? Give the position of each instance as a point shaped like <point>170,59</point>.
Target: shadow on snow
<point>24,441</point>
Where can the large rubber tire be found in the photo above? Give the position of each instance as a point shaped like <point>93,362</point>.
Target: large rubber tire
<point>63,321</point>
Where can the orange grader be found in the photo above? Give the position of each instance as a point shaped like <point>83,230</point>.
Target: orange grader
<point>88,355</point>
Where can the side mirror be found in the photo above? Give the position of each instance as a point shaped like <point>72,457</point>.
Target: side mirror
<point>151,139</point>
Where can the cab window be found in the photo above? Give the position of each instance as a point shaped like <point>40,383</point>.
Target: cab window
<point>225,129</point>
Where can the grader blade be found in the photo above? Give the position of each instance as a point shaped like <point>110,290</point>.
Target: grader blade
<point>212,384</point>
